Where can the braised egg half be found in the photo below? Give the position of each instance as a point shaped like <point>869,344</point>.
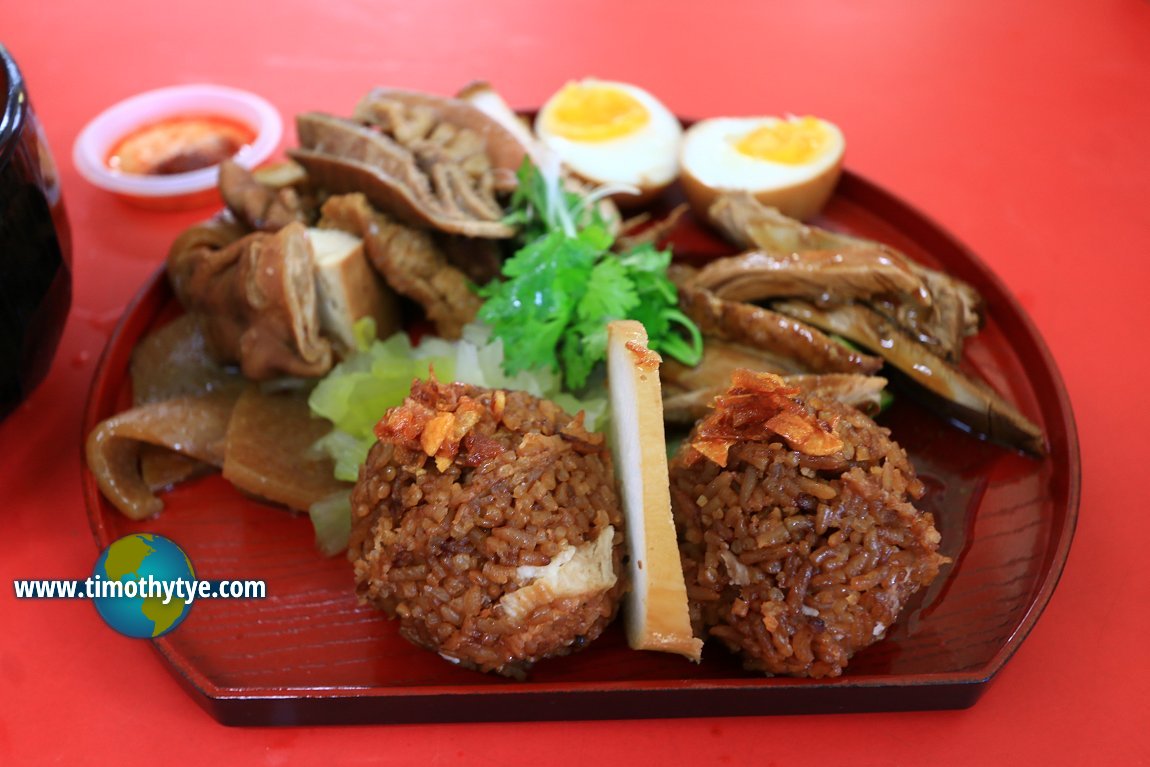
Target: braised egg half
<point>612,133</point>
<point>790,163</point>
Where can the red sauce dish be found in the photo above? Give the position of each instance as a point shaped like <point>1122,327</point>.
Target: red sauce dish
<point>162,149</point>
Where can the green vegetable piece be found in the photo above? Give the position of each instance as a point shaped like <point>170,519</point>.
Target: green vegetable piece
<point>564,285</point>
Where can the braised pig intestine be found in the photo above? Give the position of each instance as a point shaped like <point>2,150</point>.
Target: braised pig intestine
<point>255,298</point>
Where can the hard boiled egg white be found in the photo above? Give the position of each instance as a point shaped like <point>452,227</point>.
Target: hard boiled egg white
<point>612,133</point>
<point>789,163</point>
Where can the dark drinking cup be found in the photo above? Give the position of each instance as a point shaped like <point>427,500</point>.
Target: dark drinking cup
<point>35,247</point>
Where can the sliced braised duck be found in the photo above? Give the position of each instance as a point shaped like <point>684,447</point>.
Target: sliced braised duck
<point>429,162</point>
<point>966,399</point>
<point>953,312</point>
<point>258,205</point>
<point>859,391</point>
<point>804,346</point>
<point>410,261</point>
<point>254,297</point>
<point>825,276</point>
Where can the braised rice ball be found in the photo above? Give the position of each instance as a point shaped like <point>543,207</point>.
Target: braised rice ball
<point>487,523</point>
<point>799,539</point>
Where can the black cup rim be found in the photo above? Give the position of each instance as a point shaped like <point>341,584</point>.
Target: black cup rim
<point>15,105</point>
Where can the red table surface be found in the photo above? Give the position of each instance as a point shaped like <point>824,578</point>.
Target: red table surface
<point>1021,127</point>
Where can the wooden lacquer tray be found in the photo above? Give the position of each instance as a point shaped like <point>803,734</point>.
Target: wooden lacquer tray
<point>309,654</point>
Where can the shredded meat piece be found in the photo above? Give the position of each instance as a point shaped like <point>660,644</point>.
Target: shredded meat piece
<point>409,260</point>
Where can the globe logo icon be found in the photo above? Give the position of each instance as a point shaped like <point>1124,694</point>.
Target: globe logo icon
<point>130,578</point>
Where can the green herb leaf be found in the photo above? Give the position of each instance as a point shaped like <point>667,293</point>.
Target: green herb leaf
<point>564,285</point>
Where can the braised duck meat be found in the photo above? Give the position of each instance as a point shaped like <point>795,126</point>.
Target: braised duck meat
<point>953,312</point>
<point>409,260</point>
<point>954,315</point>
<point>968,400</point>
<point>826,276</point>
<point>762,329</point>
<point>721,358</point>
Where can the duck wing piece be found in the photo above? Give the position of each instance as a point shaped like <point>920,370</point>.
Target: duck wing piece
<point>969,401</point>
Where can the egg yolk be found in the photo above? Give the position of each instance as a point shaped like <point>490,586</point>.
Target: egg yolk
<point>792,142</point>
<point>594,113</point>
